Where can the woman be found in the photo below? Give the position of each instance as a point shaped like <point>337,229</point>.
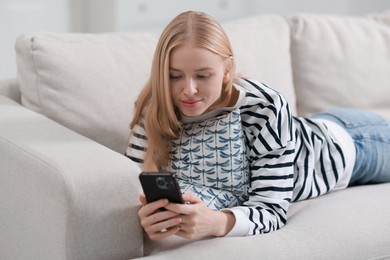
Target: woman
<point>240,156</point>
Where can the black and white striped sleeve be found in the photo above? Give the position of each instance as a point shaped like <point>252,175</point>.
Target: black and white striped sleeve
<point>137,144</point>
<point>269,136</point>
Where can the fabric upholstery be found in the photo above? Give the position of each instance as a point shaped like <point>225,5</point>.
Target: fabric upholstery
<point>341,61</point>
<point>62,195</point>
<point>88,83</point>
<point>261,47</point>
<point>10,88</point>
<point>333,226</point>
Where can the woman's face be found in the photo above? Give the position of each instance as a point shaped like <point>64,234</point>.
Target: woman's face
<point>196,77</point>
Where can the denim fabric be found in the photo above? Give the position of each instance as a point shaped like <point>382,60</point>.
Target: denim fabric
<point>371,134</point>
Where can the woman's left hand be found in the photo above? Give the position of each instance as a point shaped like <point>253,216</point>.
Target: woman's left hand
<point>199,221</point>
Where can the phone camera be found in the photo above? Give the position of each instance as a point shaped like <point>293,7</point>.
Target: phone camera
<point>164,183</point>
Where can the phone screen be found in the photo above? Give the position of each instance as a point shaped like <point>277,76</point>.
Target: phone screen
<point>160,185</point>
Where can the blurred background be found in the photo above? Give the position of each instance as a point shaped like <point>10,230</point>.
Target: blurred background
<point>96,16</point>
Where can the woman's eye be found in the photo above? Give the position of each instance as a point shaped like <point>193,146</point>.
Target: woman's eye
<point>203,76</point>
<point>174,77</point>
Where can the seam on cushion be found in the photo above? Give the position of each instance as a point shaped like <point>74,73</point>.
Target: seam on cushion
<point>380,257</point>
<point>37,81</point>
<point>69,199</point>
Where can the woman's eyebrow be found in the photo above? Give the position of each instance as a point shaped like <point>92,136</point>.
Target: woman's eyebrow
<point>197,70</point>
<point>204,69</point>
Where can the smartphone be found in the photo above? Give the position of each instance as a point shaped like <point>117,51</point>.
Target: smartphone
<point>160,185</point>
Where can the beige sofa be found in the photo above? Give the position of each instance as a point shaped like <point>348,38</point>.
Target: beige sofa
<point>67,191</point>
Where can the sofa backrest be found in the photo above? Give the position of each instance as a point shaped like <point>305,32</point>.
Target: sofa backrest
<point>261,47</point>
<point>86,82</point>
<point>10,88</point>
<point>89,82</point>
<point>341,61</point>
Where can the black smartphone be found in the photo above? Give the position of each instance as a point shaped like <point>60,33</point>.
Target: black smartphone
<point>160,185</point>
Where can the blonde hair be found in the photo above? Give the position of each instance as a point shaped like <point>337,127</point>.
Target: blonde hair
<point>154,103</point>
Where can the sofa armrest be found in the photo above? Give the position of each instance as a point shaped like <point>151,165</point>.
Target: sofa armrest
<point>63,196</point>
<point>10,88</point>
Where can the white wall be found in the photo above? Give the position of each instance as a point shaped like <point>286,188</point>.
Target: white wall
<point>153,15</point>
<point>20,16</point>
<point>353,7</point>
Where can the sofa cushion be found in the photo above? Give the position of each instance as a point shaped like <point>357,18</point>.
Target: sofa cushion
<point>341,61</point>
<point>10,88</point>
<point>261,46</point>
<point>339,225</point>
<point>89,82</point>
<point>86,82</point>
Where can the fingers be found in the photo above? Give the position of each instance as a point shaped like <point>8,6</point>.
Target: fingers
<point>191,198</point>
<point>188,208</point>
<point>148,208</point>
<point>159,220</point>
<point>162,229</point>
<point>185,220</point>
<point>158,223</point>
<point>163,233</point>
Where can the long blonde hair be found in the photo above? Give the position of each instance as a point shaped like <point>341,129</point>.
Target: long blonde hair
<point>154,103</point>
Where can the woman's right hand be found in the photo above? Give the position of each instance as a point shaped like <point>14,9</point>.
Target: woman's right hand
<point>158,223</point>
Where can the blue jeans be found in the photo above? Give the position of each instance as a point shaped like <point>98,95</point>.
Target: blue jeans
<point>371,134</point>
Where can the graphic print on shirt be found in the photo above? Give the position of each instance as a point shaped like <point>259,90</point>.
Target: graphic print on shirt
<point>209,159</point>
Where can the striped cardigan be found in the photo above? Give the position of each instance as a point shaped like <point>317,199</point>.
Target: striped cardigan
<point>287,159</point>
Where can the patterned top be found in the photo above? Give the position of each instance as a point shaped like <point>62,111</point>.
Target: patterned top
<point>253,159</point>
<point>209,159</point>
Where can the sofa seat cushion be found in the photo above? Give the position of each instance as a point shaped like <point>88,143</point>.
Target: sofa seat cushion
<point>341,61</point>
<point>347,224</point>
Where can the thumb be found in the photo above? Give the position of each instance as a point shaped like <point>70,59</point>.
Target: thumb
<point>142,199</point>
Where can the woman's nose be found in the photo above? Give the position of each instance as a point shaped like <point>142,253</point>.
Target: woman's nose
<point>190,87</point>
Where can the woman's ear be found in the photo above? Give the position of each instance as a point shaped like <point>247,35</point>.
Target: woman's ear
<point>228,68</point>
<point>226,77</point>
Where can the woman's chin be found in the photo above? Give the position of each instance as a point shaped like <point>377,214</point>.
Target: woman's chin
<point>191,112</point>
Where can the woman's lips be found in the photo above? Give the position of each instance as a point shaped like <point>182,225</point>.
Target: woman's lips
<point>190,103</point>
